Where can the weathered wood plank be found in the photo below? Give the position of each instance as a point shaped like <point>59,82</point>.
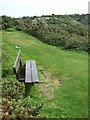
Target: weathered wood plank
<point>21,79</point>
<point>17,63</point>
<point>34,74</point>
<point>28,72</point>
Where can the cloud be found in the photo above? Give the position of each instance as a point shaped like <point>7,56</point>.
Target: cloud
<point>19,8</point>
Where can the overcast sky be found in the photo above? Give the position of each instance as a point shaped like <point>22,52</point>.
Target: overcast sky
<point>19,8</point>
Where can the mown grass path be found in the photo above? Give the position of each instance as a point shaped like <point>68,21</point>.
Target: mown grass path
<point>64,75</point>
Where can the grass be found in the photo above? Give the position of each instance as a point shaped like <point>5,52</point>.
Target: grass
<point>70,98</point>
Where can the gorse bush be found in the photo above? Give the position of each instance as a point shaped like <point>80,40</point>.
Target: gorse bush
<point>77,43</point>
<point>58,30</point>
<point>21,108</point>
<point>14,102</point>
<point>12,89</point>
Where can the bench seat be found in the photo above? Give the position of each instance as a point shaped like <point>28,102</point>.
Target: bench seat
<point>31,72</point>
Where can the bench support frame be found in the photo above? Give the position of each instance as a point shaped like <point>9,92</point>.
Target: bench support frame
<point>31,75</point>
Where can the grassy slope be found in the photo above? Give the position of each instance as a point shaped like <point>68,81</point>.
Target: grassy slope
<point>71,97</point>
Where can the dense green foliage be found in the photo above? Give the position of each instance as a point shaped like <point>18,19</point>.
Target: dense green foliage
<point>63,88</point>
<point>67,31</point>
<point>81,18</point>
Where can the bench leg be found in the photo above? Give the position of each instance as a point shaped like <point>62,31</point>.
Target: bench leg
<point>28,89</point>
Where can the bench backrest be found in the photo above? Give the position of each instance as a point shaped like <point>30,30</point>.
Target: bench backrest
<point>17,64</point>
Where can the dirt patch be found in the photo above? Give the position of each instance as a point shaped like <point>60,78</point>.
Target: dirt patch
<point>56,81</point>
<point>46,86</point>
<point>47,91</point>
<point>50,94</point>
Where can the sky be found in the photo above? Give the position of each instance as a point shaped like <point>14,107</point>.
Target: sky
<point>20,8</point>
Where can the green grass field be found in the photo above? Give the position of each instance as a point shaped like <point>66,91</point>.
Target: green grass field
<point>64,75</point>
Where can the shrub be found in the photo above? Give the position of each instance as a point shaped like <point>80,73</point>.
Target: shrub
<point>14,102</point>
<point>11,29</point>
<point>21,108</point>
<point>12,89</point>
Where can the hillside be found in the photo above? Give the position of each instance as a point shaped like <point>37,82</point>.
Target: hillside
<point>81,18</point>
<point>63,92</point>
<point>67,31</point>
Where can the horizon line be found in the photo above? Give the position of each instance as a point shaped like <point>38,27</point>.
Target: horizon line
<point>44,15</point>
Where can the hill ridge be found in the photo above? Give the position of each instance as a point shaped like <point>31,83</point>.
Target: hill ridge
<point>67,31</point>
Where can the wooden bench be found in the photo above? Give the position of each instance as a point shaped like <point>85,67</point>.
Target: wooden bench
<point>25,73</point>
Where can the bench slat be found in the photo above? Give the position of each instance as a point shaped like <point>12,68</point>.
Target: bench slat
<point>28,72</point>
<point>21,79</point>
<point>34,72</point>
<point>17,63</point>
